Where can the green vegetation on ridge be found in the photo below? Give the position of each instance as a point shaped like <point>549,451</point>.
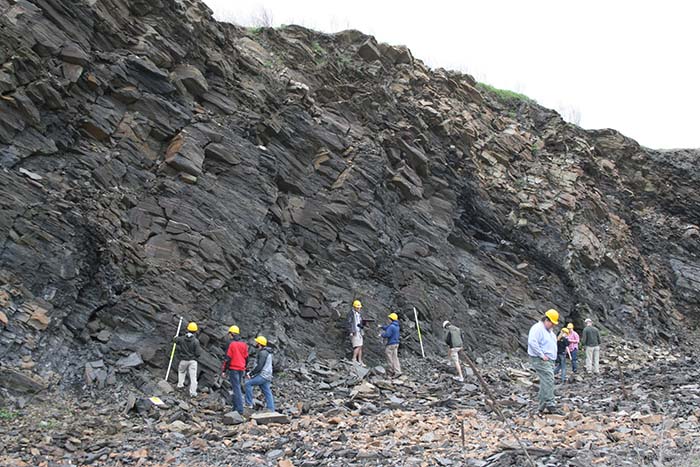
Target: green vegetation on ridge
<point>504,95</point>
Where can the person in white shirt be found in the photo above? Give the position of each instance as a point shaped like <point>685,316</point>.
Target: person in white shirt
<point>542,349</point>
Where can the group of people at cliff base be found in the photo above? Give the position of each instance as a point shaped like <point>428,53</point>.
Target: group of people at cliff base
<point>549,353</point>
<point>391,333</point>
<point>235,366</point>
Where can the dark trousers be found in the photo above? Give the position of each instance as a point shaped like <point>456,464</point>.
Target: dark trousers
<point>235,377</point>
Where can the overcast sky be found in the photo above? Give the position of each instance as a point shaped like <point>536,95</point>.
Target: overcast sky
<point>629,65</point>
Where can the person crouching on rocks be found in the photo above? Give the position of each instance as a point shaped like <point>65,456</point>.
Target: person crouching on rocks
<point>391,332</point>
<point>188,352</point>
<point>235,363</point>
<point>562,353</point>
<point>261,375</point>
<point>355,325</point>
<point>454,341</point>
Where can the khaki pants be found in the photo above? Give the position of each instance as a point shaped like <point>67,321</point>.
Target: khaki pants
<point>392,356</point>
<point>185,367</point>
<point>592,357</point>
<point>545,371</point>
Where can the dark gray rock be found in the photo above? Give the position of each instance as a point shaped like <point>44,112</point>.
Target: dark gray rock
<point>131,361</point>
<point>17,382</point>
<point>369,51</point>
<point>72,53</point>
<point>191,78</point>
<point>233,418</point>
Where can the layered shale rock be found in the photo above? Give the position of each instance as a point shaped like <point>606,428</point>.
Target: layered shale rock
<point>158,164</point>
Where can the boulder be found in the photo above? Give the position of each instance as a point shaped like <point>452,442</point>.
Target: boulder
<point>191,78</point>
<point>369,51</point>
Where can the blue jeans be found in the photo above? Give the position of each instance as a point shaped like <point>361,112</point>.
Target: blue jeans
<point>265,386</point>
<point>561,365</point>
<point>235,377</point>
<point>574,360</point>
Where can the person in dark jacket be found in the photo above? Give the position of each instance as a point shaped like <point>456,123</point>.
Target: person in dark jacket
<point>235,362</point>
<point>188,352</point>
<point>391,332</point>
<point>562,352</point>
<point>591,341</point>
<point>454,341</point>
<point>261,375</point>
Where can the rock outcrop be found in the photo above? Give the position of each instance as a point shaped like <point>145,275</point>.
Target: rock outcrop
<point>158,164</point>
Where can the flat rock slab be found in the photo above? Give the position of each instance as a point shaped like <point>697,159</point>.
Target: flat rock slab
<point>131,361</point>
<point>265,418</point>
<point>19,382</point>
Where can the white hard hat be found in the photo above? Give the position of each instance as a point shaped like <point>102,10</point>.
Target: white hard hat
<point>445,323</point>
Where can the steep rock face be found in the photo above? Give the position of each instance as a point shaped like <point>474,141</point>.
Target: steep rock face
<point>158,164</point>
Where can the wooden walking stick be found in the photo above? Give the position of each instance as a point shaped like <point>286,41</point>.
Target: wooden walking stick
<point>172,352</point>
<point>491,400</point>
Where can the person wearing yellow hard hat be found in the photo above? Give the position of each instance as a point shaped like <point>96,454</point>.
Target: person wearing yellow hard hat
<point>542,349</point>
<point>355,325</point>
<point>562,353</point>
<point>261,375</point>
<point>188,351</point>
<point>392,333</point>
<point>235,363</point>
<point>574,339</point>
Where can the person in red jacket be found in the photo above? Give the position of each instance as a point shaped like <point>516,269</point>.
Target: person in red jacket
<point>235,363</point>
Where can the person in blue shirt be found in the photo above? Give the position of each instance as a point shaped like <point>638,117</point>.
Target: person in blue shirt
<point>542,349</point>
<point>391,332</point>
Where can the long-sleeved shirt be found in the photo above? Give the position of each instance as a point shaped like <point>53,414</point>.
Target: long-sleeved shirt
<point>236,356</point>
<point>573,340</point>
<point>188,347</point>
<point>263,366</point>
<point>541,342</point>
<point>591,337</point>
<point>391,333</point>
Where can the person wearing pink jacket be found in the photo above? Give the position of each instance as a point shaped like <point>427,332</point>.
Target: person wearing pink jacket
<point>573,346</point>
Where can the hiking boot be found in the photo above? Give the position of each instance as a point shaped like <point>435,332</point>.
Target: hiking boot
<point>552,410</point>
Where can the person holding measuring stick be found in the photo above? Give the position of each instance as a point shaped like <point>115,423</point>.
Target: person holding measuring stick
<point>188,351</point>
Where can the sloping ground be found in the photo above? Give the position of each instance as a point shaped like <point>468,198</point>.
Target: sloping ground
<point>640,412</point>
<point>158,164</point>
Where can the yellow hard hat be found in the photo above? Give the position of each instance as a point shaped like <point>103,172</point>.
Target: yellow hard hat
<point>357,304</point>
<point>552,315</point>
<point>393,316</point>
<point>261,340</point>
<point>192,327</point>
<point>234,330</point>
<point>570,325</point>
<point>565,330</point>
